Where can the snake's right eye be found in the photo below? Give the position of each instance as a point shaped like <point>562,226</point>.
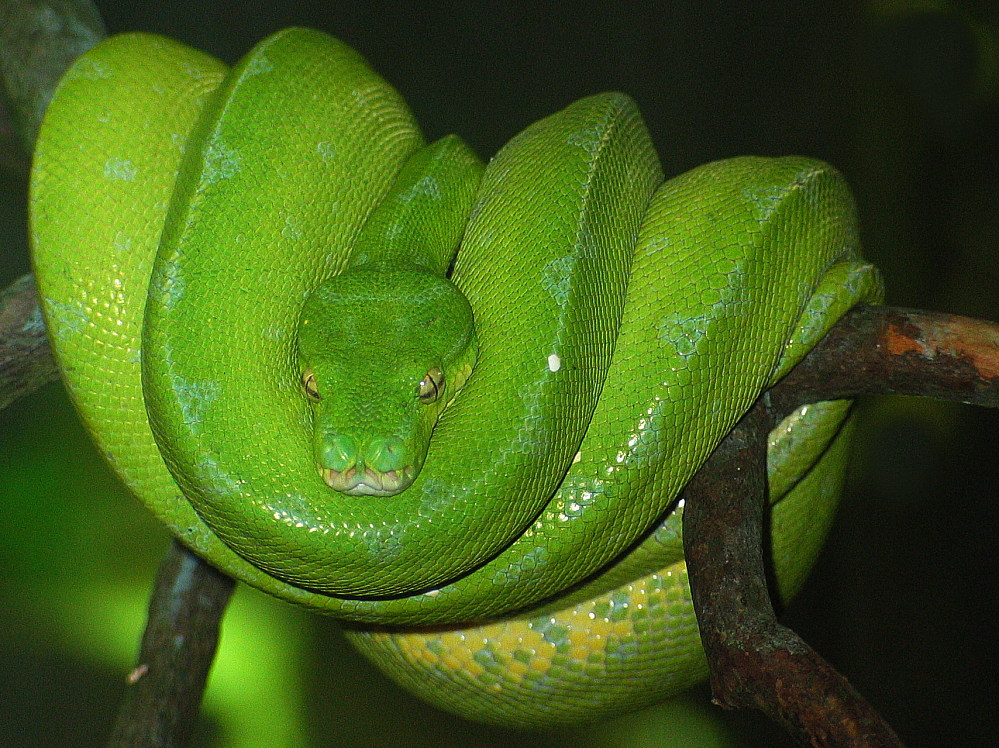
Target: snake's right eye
<point>310,386</point>
<point>431,386</point>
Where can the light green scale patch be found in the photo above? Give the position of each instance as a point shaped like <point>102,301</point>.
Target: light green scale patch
<point>428,186</point>
<point>587,241</point>
<point>766,198</point>
<point>534,435</point>
<point>278,332</point>
<point>678,590</point>
<point>122,244</point>
<point>172,285</point>
<point>625,649</point>
<point>535,558</point>
<point>522,655</point>
<point>863,281</point>
<point>386,544</point>
<point>657,245</point>
<point>88,69</point>
<point>436,647</point>
<point>438,495</point>
<point>393,231</point>
<point>556,278</point>
<point>219,481</point>
<point>221,162</point>
<point>711,297</point>
<point>195,399</point>
<point>588,138</point>
<point>724,275</point>
<point>69,317</point>
<point>294,506</point>
<point>683,334</point>
<point>492,665</point>
<point>602,609</point>
<point>259,65</point>
<point>161,206</point>
<point>326,151</point>
<point>539,624</point>
<point>550,630</point>
<point>197,73</point>
<point>620,602</point>
<point>291,230</point>
<point>120,168</point>
<point>726,267</point>
<point>568,510</point>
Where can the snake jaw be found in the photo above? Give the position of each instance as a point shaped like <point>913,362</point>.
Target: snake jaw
<point>368,482</point>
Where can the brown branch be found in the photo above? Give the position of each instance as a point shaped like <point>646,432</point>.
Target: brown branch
<point>164,690</point>
<point>881,350</point>
<point>26,362</point>
<point>755,662</point>
<point>38,41</point>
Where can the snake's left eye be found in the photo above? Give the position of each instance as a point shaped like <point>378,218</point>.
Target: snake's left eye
<point>310,386</point>
<point>431,386</point>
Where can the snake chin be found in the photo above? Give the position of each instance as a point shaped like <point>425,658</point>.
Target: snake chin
<point>368,482</point>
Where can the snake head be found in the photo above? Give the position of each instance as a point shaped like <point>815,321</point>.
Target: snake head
<point>382,352</point>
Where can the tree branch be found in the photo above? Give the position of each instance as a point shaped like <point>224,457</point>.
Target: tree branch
<point>881,350</point>
<point>164,691</point>
<point>39,39</point>
<point>755,663</point>
<point>26,362</point>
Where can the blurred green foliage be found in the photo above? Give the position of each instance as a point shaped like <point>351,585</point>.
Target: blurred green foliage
<point>901,96</point>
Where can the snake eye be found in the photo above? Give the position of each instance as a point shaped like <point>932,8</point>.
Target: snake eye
<point>431,386</point>
<point>310,386</point>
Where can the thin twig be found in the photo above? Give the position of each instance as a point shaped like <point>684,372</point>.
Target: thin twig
<point>164,691</point>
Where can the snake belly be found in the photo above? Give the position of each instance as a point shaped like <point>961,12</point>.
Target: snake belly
<point>532,574</point>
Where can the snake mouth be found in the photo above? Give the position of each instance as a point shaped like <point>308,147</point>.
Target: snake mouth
<point>368,482</point>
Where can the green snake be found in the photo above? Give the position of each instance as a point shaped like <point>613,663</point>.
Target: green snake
<point>451,405</point>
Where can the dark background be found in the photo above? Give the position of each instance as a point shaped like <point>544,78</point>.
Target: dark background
<point>902,101</point>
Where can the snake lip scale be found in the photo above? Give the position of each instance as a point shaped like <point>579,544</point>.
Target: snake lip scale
<point>367,482</point>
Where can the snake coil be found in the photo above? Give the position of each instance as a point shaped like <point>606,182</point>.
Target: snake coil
<point>529,572</point>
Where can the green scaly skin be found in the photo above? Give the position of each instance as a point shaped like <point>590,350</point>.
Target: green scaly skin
<point>263,259</point>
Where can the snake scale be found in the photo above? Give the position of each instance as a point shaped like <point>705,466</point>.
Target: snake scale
<point>450,404</point>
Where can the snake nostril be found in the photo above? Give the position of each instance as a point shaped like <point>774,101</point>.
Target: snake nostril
<point>386,453</point>
<point>338,452</point>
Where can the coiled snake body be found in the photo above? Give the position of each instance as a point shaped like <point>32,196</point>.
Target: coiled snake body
<point>270,263</point>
